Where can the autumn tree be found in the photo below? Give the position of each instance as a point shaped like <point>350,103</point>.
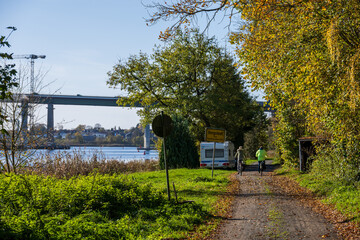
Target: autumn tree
<point>78,137</point>
<point>193,77</point>
<point>304,55</point>
<point>80,128</point>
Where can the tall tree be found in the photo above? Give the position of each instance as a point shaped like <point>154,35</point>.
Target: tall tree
<point>305,55</point>
<point>192,77</point>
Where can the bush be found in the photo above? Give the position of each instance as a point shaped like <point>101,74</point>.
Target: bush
<point>332,164</point>
<point>181,150</point>
<point>88,207</point>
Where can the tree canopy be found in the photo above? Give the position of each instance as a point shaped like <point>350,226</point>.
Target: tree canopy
<point>303,54</point>
<point>193,77</point>
<point>306,56</point>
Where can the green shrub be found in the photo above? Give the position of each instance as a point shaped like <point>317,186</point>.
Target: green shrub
<point>181,150</point>
<point>89,207</point>
<point>334,177</point>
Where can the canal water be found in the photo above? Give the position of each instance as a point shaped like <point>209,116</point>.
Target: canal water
<point>107,153</point>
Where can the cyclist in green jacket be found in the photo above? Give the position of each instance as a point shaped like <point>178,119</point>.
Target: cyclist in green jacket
<point>261,155</point>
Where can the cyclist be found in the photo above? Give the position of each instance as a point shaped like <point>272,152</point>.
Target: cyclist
<point>261,155</point>
<point>240,158</point>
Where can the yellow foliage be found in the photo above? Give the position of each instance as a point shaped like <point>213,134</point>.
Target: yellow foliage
<point>305,55</point>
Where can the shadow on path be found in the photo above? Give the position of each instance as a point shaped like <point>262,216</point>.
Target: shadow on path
<point>254,167</point>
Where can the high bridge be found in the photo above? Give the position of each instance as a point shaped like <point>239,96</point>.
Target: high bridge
<point>78,99</point>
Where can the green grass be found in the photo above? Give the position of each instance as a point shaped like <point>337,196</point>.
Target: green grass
<point>115,206</point>
<point>195,184</point>
<point>345,196</point>
<point>250,161</point>
<point>290,172</point>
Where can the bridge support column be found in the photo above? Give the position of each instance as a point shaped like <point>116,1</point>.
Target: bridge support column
<point>50,123</point>
<point>147,136</point>
<point>24,120</point>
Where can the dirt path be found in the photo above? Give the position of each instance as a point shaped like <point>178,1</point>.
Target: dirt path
<point>263,211</point>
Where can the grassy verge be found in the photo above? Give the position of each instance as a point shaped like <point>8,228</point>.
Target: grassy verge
<point>344,196</point>
<point>250,161</point>
<point>118,206</point>
<point>190,184</point>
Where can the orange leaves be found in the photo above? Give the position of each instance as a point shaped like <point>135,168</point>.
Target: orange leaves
<point>165,35</point>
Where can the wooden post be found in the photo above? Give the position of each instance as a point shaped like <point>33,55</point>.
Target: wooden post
<point>175,192</point>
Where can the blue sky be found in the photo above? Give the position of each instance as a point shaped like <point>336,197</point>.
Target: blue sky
<point>82,41</point>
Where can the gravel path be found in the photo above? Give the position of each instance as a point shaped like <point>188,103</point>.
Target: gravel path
<point>263,211</point>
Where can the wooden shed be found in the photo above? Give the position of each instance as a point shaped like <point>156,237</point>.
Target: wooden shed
<point>306,149</point>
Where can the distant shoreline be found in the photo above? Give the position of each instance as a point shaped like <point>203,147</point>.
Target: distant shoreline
<point>106,145</point>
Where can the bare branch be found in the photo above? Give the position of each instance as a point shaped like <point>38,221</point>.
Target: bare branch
<point>184,12</point>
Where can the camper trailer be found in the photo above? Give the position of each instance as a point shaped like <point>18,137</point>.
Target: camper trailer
<point>224,155</point>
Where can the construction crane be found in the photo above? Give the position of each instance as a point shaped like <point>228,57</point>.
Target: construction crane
<point>32,57</point>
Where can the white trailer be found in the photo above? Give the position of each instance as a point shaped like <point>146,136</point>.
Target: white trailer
<point>224,155</point>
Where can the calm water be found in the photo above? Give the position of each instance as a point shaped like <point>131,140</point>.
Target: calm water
<point>118,153</point>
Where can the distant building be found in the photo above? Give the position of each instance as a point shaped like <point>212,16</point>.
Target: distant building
<point>62,135</point>
<point>100,135</point>
<point>128,135</point>
<point>88,138</point>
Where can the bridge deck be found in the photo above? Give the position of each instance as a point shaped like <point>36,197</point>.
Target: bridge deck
<point>95,101</point>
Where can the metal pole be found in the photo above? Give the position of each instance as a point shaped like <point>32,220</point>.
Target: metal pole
<point>213,161</point>
<point>50,123</point>
<point>24,120</point>
<point>32,92</point>
<point>32,76</point>
<point>300,157</point>
<point>166,166</point>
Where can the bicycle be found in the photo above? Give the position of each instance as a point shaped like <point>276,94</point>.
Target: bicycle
<point>240,167</point>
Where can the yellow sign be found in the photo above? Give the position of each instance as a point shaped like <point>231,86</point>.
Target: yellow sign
<point>214,135</point>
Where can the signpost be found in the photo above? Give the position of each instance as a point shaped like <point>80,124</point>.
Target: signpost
<point>162,127</point>
<point>214,135</point>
